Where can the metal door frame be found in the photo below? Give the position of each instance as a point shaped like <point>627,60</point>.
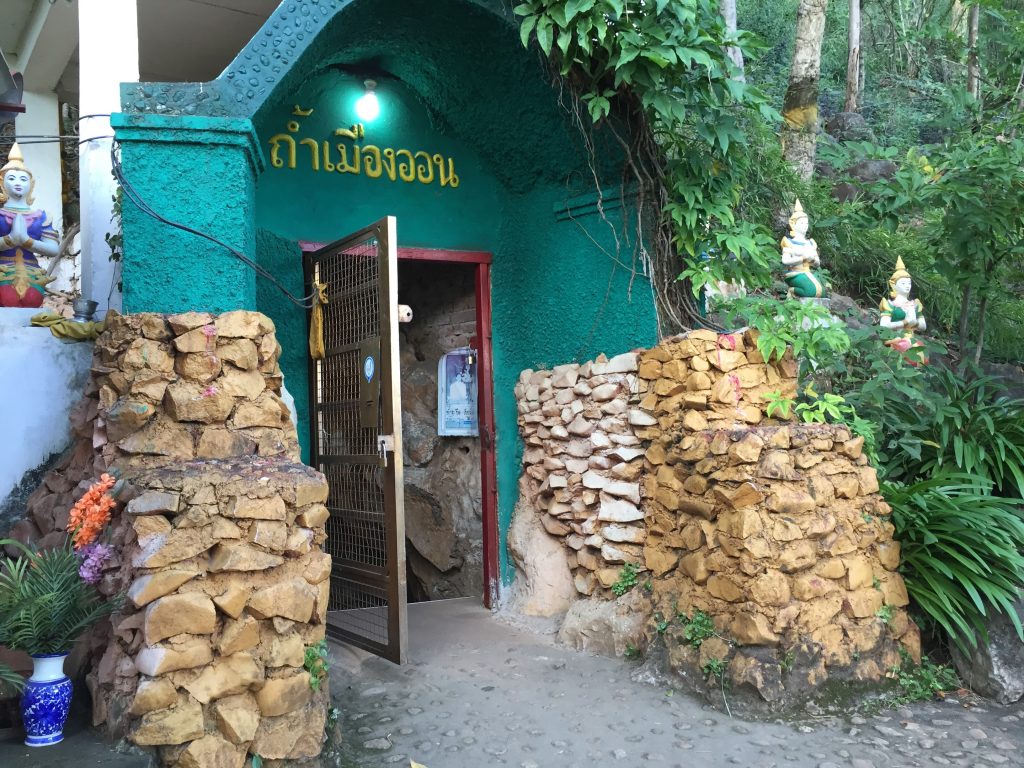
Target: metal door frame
<point>482,261</point>
<point>384,231</point>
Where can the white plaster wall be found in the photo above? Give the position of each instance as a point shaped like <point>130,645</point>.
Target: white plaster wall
<point>41,378</point>
<point>42,118</point>
<point>102,67</point>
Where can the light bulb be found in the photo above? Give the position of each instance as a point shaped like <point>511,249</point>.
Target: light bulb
<point>368,107</point>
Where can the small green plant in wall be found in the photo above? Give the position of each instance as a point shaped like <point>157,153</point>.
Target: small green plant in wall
<point>698,628</point>
<point>714,668</point>
<point>315,662</point>
<point>626,581</point>
<point>884,614</point>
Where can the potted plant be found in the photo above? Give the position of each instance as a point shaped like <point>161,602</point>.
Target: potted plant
<point>48,600</point>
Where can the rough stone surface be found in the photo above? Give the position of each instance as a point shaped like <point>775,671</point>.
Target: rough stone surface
<point>995,667</point>
<point>773,530</point>
<point>194,540</point>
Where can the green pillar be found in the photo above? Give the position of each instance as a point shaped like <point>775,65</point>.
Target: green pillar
<point>200,172</point>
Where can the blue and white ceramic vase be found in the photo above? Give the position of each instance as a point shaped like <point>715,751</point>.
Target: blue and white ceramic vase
<point>46,700</point>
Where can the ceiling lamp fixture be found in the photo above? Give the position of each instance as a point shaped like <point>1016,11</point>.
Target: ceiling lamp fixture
<point>368,106</point>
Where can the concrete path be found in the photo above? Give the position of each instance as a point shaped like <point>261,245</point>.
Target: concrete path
<point>479,692</point>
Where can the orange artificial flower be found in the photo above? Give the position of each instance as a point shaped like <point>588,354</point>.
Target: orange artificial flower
<point>91,512</point>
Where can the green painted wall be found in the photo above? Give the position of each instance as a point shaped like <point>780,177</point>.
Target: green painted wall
<point>198,171</point>
<point>556,296</point>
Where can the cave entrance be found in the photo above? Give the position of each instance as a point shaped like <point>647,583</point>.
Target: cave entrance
<point>450,510</point>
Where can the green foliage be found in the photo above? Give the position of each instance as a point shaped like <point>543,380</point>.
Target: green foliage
<point>9,681</point>
<point>714,668</point>
<point>933,419</point>
<point>631,651</point>
<point>963,551</point>
<point>661,623</point>
<point>787,661</point>
<point>884,614</point>
<point>626,581</point>
<point>44,604</point>
<point>698,628</point>
<point>924,681</point>
<point>805,327</point>
<point>315,662</point>
<point>657,76</point>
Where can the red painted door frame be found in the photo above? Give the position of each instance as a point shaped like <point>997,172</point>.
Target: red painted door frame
<point>485,404</point>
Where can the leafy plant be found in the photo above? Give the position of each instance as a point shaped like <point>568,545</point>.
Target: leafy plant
<point>631,651</point>
<point>884,614</point>
<point>315,662</point>
<point>45,605</point>
<point>924,681</point>
<point>963,552</point>
<point>697,629</point>
<point>656,76</point>
<point>714,668</point>
<point>935,419</point>
<point>661,623</point>
<point>626,581</point>
<point>805,327</point>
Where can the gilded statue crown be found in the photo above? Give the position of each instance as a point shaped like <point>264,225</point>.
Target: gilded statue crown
<point>900,272</point>
<point>798,213</point>
<point>16,162</point>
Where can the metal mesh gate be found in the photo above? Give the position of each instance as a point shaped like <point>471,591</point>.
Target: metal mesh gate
<point>355,438</point>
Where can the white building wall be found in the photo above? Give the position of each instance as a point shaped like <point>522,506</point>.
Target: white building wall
<point>42,118</point>
<point>41,378</point>
<point>102,67</point>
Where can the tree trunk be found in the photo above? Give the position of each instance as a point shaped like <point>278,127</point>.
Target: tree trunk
<point>853,60</point>
<point>973,68</point>
<point>965,313</point>
<point>982,308</point>
<point>728,9</point>
<point>800,106</point>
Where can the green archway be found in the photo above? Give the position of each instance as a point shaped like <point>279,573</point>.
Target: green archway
<point>458,81</point>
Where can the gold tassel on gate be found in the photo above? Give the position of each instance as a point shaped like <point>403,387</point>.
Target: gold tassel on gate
<point>316,322</point>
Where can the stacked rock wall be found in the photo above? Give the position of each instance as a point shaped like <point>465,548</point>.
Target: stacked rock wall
<point>166,388</point>
<point>218,547</point>
<point>583,463</point>
<point>227,586</point>
<point>774,530</point>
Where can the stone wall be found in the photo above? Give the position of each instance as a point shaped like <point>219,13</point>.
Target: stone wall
<point>218,546</point>
<point>226,587</point>
<point>664,459</point>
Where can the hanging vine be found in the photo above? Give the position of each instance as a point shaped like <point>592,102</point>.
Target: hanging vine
<point>656,76</point>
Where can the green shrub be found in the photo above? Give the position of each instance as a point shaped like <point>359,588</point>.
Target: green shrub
<point>933,420</point>
<point>963,551</point>
<point>697,629</point>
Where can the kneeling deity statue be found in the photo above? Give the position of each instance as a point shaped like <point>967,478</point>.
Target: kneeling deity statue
<point>25,234</point>
<point>800,255</point>
<point>901,313</point>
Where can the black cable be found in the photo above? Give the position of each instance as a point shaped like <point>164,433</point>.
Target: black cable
<point>132,194</point>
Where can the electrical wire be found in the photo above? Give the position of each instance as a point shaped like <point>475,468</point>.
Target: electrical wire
<point>132,194</point>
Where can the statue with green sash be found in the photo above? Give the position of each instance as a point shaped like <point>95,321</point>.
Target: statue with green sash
<point>800,256</point>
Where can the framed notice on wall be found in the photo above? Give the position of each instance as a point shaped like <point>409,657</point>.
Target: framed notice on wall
<point>456,394</point>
